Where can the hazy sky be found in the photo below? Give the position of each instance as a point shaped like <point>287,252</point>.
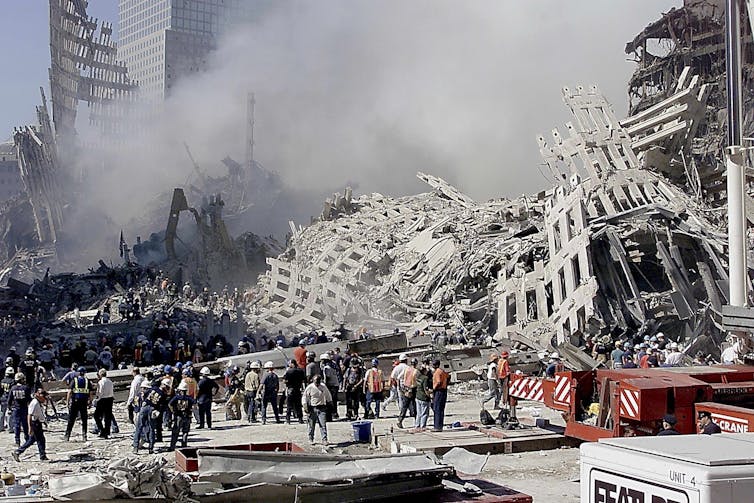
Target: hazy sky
<point>369,92</point>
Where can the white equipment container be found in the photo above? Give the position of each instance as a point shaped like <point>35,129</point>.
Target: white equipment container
<point>671,469</point>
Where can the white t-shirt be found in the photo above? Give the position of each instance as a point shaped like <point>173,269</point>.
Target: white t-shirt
<point>36,411</point>
<point>105,388</point>
<point>492,370</point>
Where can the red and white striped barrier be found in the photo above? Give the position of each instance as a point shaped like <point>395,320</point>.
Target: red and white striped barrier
<point>629,403</point>
<point>562,395</point>
<point>527,388</point>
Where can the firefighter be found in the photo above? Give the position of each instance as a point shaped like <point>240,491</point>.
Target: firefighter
<point>181,405</point>
<point>268,391</point>
<point>207,388</point>
<point>668,426</point>
<point>78,398</point>
<point>235,395</point>
<point>5,385</point>
<point>19,397</point>
<point>706,425</point>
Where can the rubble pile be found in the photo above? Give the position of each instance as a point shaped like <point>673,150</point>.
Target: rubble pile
<point>615,247</point>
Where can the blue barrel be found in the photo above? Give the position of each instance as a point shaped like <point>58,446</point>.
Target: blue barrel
<point>362,431</point>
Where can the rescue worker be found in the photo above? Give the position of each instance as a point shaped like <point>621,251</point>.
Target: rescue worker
<point>492,382</point>
<point>423,397</point>
<point>331,379</point>
<point>35,419</point>
<point>133,393</point>
<point>149,403</point>
<point>19,397</point>
<point>104,407</point>
<point>706,425</point>
<point>268,391</point>
<point>251,387</point>
<point>5,385</point>
<point>235,395</point>
<point>396,377</point>
<point>373,389</point>
<point>181,405</point>
<point>294,379</point>
<point>312,368</point>
<point>440,380</point>
<point>503,376</point>
<point>408,390</point>
<point>78,399</point>
<point>675,357</point>
<point>315,401</point>
<point>30,367</point>
<point>299,354</point>
<point>668,426</point>
<point>554,365</point>
<point>207,388</point>
<point>353,382</point>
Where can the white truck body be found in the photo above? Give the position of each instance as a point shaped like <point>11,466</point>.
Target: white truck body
<point>670,469</point>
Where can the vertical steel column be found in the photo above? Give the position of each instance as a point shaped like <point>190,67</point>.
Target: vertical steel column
<point>734,158</point>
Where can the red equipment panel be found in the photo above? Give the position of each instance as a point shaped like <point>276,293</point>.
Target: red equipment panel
<point>730,418</point>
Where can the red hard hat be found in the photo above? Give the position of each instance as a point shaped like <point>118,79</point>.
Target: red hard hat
<point>505,354</point>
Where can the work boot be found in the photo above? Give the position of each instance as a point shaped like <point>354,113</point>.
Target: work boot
<point>136,450</point>
<point>16,458</point>
<point>43,458</point>
<point>84,437</point>
<point>400,423</point>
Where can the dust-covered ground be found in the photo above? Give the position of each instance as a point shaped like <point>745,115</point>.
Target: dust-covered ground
<point>545,475</point>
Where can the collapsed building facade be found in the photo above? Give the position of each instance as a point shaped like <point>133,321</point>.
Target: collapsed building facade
<point>615,248</point>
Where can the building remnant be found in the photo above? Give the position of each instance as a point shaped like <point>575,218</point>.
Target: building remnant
<point>615,246</point>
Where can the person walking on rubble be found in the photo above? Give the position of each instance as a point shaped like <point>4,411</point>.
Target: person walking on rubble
<point>181,405</point>
<point>294,379</point>
<point>408,390</point>
<point>149,404</point>
<point>133,393</point>
<point>207,388</point>
<point>440,381</point>
<point>35,420</point>
<point>492,382</point>
<point>78,399</point>
<point>268,390</point>
<point>251,387</point>
<point>396,378</point>
<point>104,407</point>
<point>19,397</point>
<point>315,402</point>
<point>373,389</point>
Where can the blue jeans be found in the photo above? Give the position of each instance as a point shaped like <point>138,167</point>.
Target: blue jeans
<point>439,397</point>
<point>20,423</point>
<point>422,414</point>
<point>205,414</point>
<point>375,398</point>
<point>181,427</point>
<point>251,398</point>
<point>318,415</point>
<point>37,436</point>
<point>144,427</point>
<point>270,400</point>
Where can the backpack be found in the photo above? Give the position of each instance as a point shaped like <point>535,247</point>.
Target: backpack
<point>485,418</point>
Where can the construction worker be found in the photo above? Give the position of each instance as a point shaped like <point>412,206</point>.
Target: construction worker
<point>207,388</point>
<point>35,419</point>
<point>492,382</point>
<point>706,424</point>
<point>5,385</point>
<point>353,382</point>
<point>503,376</point>
<point>181,405</point>
<point>675,357</point>
<point>251,387</point>
<point>315,401</point>
<point>331,379</point>
<point>554,365</point>
<point>104,407</point>
<point>294,379</point>
<point>19,397</point>
<point>268,391</point>
<point>78,399</point>
<point>235,395</point>
<point>440,380</point>
<point>408,390</point>
<point>373,389</point>
<point>668,426</point>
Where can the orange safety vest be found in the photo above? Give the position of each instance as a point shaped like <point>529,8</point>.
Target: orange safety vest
<point>409,377</point>
<point>503,368</point>
<point>440,379</point>
<point>374,380</point>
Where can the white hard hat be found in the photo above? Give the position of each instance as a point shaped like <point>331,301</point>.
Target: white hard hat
<point>145,383</point>
<point>205,371</point>
<point>255,365</point>
<point>673,345</point>
<point>555,355</point>
<point>403,357</point>
<point>325,356</point>
<point>9,371</point>
<point>183,386</point>
<point>269,365</point>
